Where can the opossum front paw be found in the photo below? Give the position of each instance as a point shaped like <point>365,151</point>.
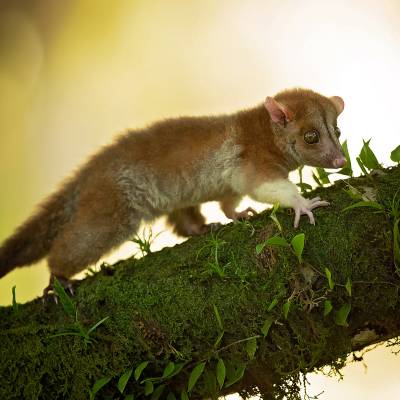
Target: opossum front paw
<point>50,293</point>
<point>244,215</point>
<point>305,207</point>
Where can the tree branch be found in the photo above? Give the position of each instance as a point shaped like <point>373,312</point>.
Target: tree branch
<point>214,298</point>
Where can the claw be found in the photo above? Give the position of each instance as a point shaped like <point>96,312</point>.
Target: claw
<point>297,214</point>
<point>305,207</point>
<point>314,199</point>
<point>310,216</point>
<point>318,203</point>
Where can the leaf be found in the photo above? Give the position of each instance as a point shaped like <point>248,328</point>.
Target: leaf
<point>354,193</point>
<point>395,154</point>
<point>177,369</point>
<point>316,179</point>
<point>328,274</point>
<point>148,388</point>
<point>298,245</point>
<point>327,307</point>
<point>260,248</point>
<point>361,165</point>
<point>274,217</point>
<point>347,170</point>
<point>267,325</point>
<point>96,325</point>
<point>348,286</point>
<point>123,380</point>
<point>184,395</point>
<point>274,302</point>
<point>251,347</point>
<point>323,175</point>
<point>129,397</point>
<point>342,314</point>
<point>66,301</point>
<point>171,396</point>
<point>286,308</point>
<point>273,241</point>
<point>276,241</point>
<point>235,374</point>
<point>372,204</point>
<point>169,369</point>
<point>210,382</point>
<point>221,372</point>
<point>368,157</point>
<point>97,386</point>
<point>195,375</point>
<point>219,338</point>
<point>304,186</point>
<point>218,317</point>
<point>139,369</point>
<point>158,392</point>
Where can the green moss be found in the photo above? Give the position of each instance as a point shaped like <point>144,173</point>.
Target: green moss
<point>160,307</point>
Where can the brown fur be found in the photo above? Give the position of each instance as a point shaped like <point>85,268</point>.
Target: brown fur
<point>169,168</point>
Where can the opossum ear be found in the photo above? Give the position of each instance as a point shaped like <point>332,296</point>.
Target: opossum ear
<point>278,112</point>
<point>338,103</point>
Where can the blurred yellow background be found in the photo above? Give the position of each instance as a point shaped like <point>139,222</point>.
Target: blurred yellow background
<point>74,73</point>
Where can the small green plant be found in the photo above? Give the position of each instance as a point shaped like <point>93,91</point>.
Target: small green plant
<point>395,155</point>
<point>354,193</point>
<point>328,274</point>
<point>251,347</point>
<point>195,375</point>
<point>342,314</point>
<point>220,372</point>
<point>371,204</point>
<point>218,317</point>
<point>327,307</point>
<point>123,380</point>
<point>347,169</point>
<point>286,308</point>
<point>321,177</point>
<point>267,325</point>
<point>14,301</point>
<point>348,286</point>
<point>296,244</point>
<point>100,383</point>
<point>145,241</point>
<point>139,369</point>
<point>234,373</point>
<point>220,327</point>
<point>77,329</point>
<point>275,218</point>
<point>212,246</point>
<point>272,305</point>
<point>304,187</point>
<point>367,159</point>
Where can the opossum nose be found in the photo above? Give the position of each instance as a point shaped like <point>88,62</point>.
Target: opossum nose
<point>339,162</point>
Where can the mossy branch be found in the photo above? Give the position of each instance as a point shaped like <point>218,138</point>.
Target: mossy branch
<point>214,298</point>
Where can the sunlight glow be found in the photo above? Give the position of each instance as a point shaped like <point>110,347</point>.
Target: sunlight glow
<point>73,77</point>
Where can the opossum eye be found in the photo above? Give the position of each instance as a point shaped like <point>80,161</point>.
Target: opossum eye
<point>337,131</point>
<point>311,137</point>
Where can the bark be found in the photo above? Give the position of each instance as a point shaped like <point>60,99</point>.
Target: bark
<point>163,308</point>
